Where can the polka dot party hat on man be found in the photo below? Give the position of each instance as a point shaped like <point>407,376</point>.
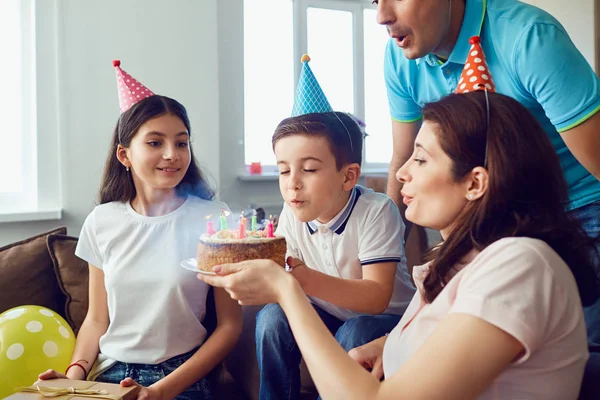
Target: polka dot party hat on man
<point>32,340</point>
<point>309,95</point>
<point>130,90</point>
<point>475,75</point>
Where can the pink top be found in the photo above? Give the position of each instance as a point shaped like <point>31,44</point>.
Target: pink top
<point>523,287</point>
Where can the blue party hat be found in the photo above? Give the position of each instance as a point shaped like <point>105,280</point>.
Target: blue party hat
<point>309,95</point>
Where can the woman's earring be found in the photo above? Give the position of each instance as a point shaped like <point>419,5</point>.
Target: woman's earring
<point>127,169</point>
<point>470,196</point>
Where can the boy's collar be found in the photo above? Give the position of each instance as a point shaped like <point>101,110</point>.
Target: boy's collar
<point>471,26</point>
<point>339,222</point>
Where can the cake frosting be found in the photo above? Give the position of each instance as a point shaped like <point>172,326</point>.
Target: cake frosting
<point>226,246</point>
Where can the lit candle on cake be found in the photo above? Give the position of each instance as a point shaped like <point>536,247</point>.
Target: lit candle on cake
<point>254,223</point>
<point>223,218</point>
<point>242,226</point>
<point>210,229</point>
<point>270,232</point>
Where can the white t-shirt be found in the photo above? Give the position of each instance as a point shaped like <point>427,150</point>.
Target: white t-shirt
<point>367,230</point>
<point>524,288</point>
<point>155,306</point>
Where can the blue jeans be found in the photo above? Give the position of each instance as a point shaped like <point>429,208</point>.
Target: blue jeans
<point>147,374</point>
<point>278,354</point>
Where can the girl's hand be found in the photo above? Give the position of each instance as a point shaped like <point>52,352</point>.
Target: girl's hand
<point>51,374</point>
<point>370,356</point>
<point>145,393</point>
<point>251,282</point>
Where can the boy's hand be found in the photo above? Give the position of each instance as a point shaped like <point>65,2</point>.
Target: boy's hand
<point>370,356</point>
<point>299,270</point>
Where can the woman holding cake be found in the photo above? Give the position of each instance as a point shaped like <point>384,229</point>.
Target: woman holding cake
<point>144,324</point>
<point>497,314</point>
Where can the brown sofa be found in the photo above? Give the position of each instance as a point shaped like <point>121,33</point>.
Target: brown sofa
<point>43,270</point>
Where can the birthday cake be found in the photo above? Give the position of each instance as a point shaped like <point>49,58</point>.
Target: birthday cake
<point>226,246</point>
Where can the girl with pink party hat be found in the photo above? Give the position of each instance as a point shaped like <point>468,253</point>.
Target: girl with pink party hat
<point>146,321</point>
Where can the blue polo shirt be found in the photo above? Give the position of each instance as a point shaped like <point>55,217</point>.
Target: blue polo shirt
<point>531,58</point>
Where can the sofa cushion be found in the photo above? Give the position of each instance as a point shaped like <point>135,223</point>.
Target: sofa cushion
<point>27,276</point>
<point>72,276</point>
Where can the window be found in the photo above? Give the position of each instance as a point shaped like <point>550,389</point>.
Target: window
<point>268,74</point>
<point>29,179</point>
<point>346,46</point>
<point>17,85</point>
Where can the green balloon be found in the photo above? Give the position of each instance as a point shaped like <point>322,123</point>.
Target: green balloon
<point>32,340</point>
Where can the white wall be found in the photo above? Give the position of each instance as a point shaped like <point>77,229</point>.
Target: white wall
<point>191,50</point>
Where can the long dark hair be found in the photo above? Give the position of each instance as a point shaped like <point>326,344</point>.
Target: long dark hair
<point>526,194</point>
<point>117,183</point>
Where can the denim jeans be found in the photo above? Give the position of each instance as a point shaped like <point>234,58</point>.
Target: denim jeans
<point>278,354</point>
<point>147,374</point>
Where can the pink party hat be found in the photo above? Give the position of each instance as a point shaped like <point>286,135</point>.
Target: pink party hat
<point>130,90</point>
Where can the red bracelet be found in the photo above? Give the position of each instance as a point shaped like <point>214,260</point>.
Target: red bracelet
<point>76,364</point>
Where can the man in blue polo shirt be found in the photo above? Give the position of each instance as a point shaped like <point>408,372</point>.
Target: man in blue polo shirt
<point>532,60</point>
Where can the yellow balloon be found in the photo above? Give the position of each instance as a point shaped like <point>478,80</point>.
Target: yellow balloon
<point>32,340</point>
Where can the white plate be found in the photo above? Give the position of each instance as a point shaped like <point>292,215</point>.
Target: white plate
<point>192,265</point>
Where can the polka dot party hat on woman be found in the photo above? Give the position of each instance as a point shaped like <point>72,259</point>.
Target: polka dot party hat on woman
<point>309,95</point>
<point>130,90</point>
<point>475,75</point>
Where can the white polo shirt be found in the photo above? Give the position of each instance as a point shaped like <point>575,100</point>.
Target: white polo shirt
<point>366,231</point>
